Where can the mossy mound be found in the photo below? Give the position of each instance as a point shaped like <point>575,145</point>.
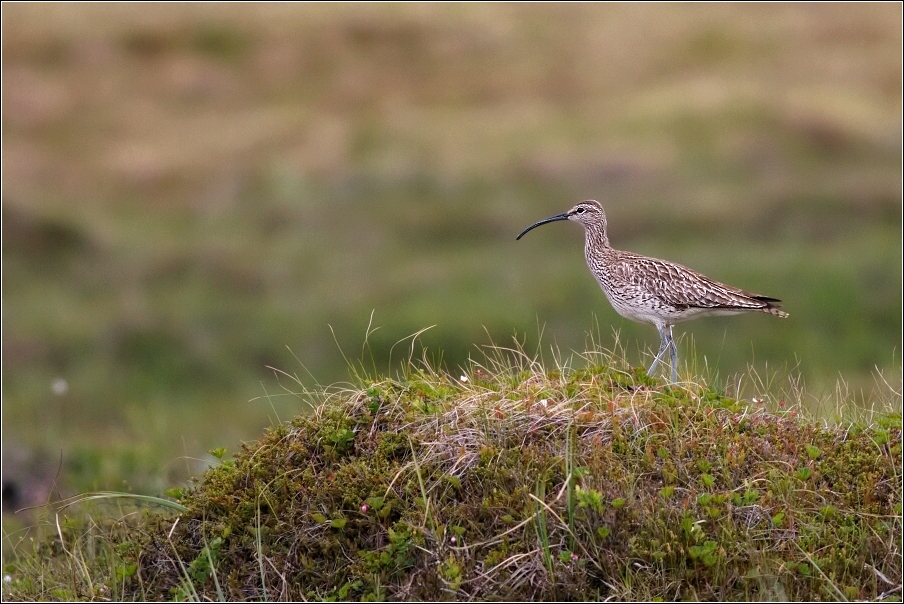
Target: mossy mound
<point>587,485</point>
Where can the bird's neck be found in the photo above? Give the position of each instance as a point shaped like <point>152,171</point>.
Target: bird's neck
<point>595,238</point>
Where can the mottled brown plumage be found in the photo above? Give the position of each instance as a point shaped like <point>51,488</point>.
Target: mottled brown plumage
<point>655,291</point>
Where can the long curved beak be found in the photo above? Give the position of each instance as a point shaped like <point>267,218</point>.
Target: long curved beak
<point>544,221</point>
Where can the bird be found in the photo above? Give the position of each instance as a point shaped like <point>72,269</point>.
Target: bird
<point>649,290</point>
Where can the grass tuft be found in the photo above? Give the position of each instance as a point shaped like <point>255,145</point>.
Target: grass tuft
<point>512,480</point>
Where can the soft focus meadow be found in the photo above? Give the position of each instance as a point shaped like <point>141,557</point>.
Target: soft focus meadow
<point>195,194</point>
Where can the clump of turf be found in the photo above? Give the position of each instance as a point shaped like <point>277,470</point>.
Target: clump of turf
<point>589,484</point>
<point>518,483</point>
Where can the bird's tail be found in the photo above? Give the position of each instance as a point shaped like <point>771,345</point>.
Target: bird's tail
<point>772,306</point>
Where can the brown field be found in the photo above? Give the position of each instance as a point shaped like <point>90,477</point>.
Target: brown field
<point>188,190</point>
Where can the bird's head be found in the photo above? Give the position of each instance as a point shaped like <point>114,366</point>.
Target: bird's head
<point>588,213</point>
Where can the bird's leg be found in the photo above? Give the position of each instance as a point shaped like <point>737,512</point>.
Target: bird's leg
<point>665,337</point>
<point>674,353</point>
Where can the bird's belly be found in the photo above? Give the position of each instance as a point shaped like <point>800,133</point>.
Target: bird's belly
<point>645,315</point>
<point>639,306</point>
<point>644,307</point>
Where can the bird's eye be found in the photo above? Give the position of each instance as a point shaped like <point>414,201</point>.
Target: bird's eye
<point>580,211</point>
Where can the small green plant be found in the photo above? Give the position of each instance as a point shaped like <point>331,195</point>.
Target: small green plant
<point>589,498</point>
<point>451,572</point>
<point>803,473</point>
<point>219,452</point>
<point>540,525</point>
<point>340,440</point>
<point>393,558</point>
<point>748,497</point>
<point>708,552</point>
<point>199,571</point>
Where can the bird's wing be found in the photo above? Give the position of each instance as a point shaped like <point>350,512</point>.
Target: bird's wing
<point>682,287</point>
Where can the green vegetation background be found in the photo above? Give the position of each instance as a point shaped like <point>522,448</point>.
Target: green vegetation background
<point>195,193</point>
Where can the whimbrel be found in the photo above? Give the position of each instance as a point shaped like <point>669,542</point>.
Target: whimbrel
<point>648,290</point>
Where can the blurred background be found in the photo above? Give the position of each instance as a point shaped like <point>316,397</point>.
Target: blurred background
<point>194,192</point>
